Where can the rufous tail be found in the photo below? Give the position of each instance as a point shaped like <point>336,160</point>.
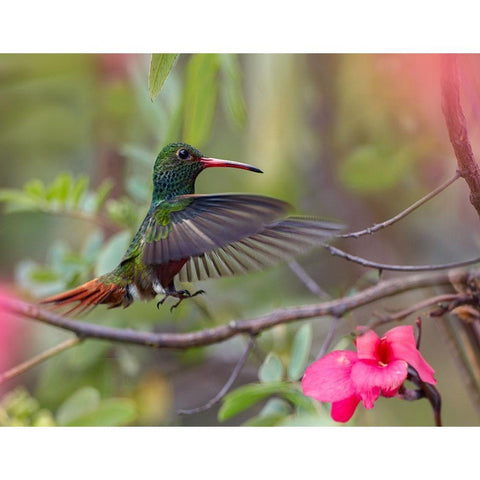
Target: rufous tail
<point>89,295</point>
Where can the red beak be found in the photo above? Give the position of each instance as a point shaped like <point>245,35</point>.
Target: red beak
<point>216,162</point>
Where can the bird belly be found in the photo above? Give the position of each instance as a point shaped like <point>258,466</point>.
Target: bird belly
<point>166,272</point>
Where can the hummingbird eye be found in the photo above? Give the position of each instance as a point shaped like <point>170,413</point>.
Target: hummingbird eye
<point>183,154</point>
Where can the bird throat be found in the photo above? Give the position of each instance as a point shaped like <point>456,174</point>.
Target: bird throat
<point>168,184</point>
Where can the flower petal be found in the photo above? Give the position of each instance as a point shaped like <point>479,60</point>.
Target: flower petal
<point>370,380</point>
<point>403,347</point>
<point>343,410</point>
<point>367,345</point>
<point>328,379</point>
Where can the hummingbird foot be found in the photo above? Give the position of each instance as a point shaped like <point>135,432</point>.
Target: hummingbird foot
<point>180,294</point>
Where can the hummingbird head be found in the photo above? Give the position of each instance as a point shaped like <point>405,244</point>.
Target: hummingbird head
<point>178,165</point>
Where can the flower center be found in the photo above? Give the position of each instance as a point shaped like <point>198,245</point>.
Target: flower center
<point>383,353</point>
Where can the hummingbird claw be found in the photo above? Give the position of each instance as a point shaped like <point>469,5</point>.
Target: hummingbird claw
<point>177,304</point>
<point>161,302</point>
<point>180,294</point>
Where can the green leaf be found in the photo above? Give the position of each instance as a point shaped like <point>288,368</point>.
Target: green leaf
<point>35,188</point>
<point>110,412</point>
<point>232,93</point>
<point>200,97</point>
<point>112,252</point>
<point>59,188</point>
<point>302,343</point>
<point>265,420</point>
<point>271,369</point>
<point>79,188</point>
<point>83,402</point>
<point>160,66</point>
<point>248,395</point>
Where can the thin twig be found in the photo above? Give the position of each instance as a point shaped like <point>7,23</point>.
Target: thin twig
<point>307,280</point>
<point>337,307</point>
<point>404,213</point>
<point>27,365</point>
<point>402,314</point>
<point>397,268</point>
<point>234,375</point>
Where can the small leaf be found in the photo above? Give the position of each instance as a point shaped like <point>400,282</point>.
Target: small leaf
<point>302,343</point>
<point>61,187</point>
<point>35,188</point>
<point>248,395</point>
<point>78,190</point>
<point>112,252</point>
<point>271,369</point>
<point>160,66</point>
<point>110,412</point>
<point>79,404</point>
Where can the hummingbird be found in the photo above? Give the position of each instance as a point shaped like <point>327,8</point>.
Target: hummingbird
<point>195,237</point>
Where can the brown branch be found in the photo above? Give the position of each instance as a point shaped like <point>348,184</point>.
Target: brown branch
<point>41,357</point>
<point>429,302</point>
<point>402,214</point>
<point>338,308</point>
<point>397,268</point>
<point>468,167</point>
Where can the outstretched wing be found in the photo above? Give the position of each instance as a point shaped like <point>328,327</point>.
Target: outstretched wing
<point>279,241</point>
<point>192,225</point>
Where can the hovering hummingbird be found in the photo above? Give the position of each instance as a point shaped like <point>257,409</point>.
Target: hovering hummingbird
<point>197,236</point>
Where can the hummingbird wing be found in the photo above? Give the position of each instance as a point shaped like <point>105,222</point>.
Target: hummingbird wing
<point>191,225</point>
<point>279,241</point>
<point>228,234</point>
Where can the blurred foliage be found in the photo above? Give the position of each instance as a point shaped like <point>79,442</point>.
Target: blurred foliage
<point>350,137</point>
<point>82,408</point>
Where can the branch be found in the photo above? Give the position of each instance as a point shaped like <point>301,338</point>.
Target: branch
<point>398,268</point>
<point>24,366</point>
<point>429,302</point>
<point>457,128</point>
<point>404,213</point>
<point>338,308</point>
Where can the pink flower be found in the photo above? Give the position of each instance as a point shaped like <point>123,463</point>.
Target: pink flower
<point>379,367</point>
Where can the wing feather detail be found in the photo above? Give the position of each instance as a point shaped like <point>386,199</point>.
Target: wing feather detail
<point>203,223</point>
<point>277,242</point>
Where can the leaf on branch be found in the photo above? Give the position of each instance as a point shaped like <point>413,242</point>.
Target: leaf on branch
<point>249,395</point>
<point>64,195</point>
<point>160,66</point>
<point>271,369</point>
